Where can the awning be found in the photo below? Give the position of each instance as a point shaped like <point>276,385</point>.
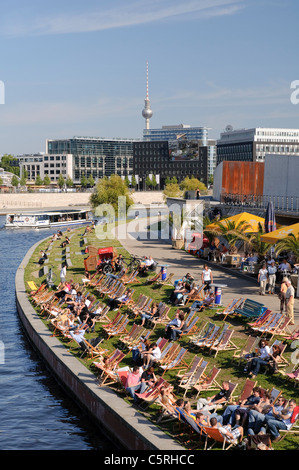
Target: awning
<point>251,219</point>
<point>280,234</point>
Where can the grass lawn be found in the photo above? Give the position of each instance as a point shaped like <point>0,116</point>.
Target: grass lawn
<point>230,368</point>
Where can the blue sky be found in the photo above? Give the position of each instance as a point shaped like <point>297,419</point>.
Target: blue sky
<point>79,68</point>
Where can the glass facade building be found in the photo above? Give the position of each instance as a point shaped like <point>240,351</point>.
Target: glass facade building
<point>175,132</point>
<point>95,156</point>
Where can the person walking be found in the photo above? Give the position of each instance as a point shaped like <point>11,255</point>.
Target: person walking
<point>272,270</point>
<point>207,277</point>
<point>282,295</point>
<point>290,294</point>
<point>263,279</point>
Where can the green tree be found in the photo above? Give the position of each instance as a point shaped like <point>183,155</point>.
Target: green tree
<point>1,181</point>
<point>90,181</point>
<point>60,181</point>
<point>24,177</point>
<point>134,182</point>
<point>192,184</point>
<point>172,190</point>
<point>148,182</point>
<point>7,163</point>
<point>83,181</point>
<point>14,181</point>
<point>257,245</point>
<point>47,180</point>
<point>230,231</point>
<point>127,181</point>
<point>69,182</point>
<point>174,180</point>
<point>108,190</point>
<point>154,182</point>
<point>38,180</point>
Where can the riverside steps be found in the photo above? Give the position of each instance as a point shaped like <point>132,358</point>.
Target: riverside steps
<point>123,424</point>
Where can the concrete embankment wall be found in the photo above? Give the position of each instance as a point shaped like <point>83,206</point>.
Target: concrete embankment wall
<point>57,200</point>
<point>125,426</point>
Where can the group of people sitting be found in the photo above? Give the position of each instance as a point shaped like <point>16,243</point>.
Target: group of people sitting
<point>187,288</point>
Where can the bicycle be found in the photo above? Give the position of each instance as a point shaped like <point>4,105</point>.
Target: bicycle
<point>133,263</point>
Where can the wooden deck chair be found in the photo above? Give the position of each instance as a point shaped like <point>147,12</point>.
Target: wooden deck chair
<point>194,379</point>
<point>120,329</point>
<point>260,319</point>
<point>294,428</point>
<point>102,315</point>
<point>208,382</point>
<point>165,282</point>
<point>119,291</point>
<point>202,334</point>
<point>198,295</point>
<point>294,335</point>
<point>274,394</point>
<point>131,336</point>
<point>113,321</point>
<point>110,362</point>
<point>122,376</point>
<point>225,343</point>
<point>281,329</point>
<point>183,374</point>
<point>153,279</point>
<point>229,309</point>
<point>93,350</point>
<point>216,436</point>
<point>163,316</point>
<point>250,345</point>
<point>176,362</point>
<point>281,360</point>
<point>167,354</point>
<point>271,321</point>
<point>139,343</point>
<point>245,392</point>
<point>131,278</point>
<point>150,396</point>
<point>210,338</point>
<point>32,286</point>
<point>135,306</point>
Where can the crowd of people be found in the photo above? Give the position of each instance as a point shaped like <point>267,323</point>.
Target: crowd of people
<point>257,414</point>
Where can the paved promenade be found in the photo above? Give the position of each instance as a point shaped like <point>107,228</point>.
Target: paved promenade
<point>180,262</point>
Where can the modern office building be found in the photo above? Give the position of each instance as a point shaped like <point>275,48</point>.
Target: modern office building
<point>43,165</point>
<point>162,159</point>
<point>176,132</point>
<point>95,156</point>
<point>253,144</point>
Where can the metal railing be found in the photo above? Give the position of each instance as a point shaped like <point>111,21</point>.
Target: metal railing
<point>280,203</point>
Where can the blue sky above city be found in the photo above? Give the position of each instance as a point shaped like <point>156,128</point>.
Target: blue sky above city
<point>79,68</point>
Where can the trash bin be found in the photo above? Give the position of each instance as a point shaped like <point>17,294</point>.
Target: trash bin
<point>217,295</point>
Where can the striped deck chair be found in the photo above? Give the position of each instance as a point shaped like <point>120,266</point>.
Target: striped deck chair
<point>163,316</point>
<point>281,329</point>
<point>194,378</point>
<point>93,350</point>
<point>108,374</point>
<point>120,329</point>
<point>136,306</point>
<point>100,315</point>
<point>271,321</point>
<point>131,278</point>
<point>150,396</point>
<point>167,353</point>
<point>202,334</point>
<point>153,279</point>
<point>224,343</point>
<point>165,282</point>
<point>113,321</point>
<point>250,345</point>
<point>110,361</point>
<point>176,362</point>
<point>208,382</point>
<point>127,339</point>
<point>105,283</point>
<point>118,292</point>
<point>210,338</point>
<point>261,319</point>
<point>191,328</point>
<point>230,308</point>
<point>184,374</point>
<point>198,295</point>
<point>245,392</point>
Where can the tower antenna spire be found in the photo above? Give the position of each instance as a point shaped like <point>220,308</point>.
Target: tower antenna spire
<point>147,112</point>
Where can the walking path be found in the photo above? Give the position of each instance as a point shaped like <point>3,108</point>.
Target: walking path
<point>180,262</point>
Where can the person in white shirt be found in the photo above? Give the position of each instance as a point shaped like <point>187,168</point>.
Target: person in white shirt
<point>272,270</point>
<point>263,279</point>
<point>290,294</point>
<point>207,277</point>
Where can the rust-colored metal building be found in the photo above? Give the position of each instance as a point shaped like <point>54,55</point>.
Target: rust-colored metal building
<point>238,178</point>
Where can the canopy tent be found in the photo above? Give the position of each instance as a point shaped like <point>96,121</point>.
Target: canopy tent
<point>280,234</point>
<point>251,219</point>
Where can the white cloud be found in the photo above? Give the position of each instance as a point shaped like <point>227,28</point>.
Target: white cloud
<point>119,16</point>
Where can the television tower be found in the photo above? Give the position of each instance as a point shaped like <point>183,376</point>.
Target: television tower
<point>147,112</point>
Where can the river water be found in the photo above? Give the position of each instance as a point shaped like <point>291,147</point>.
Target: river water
<point>35,413</point>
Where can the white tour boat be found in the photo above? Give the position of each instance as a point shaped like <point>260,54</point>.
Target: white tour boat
<point>61,218</point>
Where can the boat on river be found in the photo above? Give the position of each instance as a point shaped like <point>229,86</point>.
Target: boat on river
<point>61,218</point>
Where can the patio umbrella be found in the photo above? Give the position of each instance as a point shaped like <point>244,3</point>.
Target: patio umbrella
<point>251,219</point>
<point>270,222</point>
<point>280,233</point>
